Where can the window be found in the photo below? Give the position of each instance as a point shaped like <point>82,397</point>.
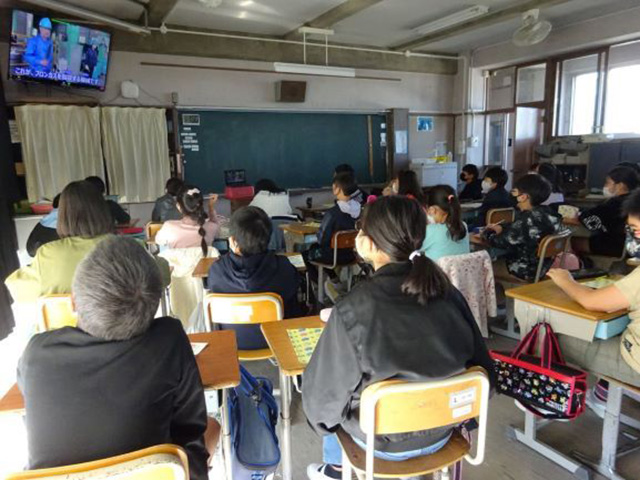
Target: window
<point>577,108</point>
<point>623,94</point>
<point>501,89</point>
<point>531,83</point>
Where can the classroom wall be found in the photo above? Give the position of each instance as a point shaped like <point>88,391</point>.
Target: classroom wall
<point>224,89</point>
<point>422,144</point>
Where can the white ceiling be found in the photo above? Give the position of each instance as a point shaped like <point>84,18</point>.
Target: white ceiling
<point>385,24</point>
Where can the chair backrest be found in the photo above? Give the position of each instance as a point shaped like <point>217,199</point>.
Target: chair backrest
<point>505,215</point>
<point>150,230</point>
<point>398,406</point>
<point>244,308</point>
<point>56,311</point>
<point>344,239</point>
<point>551,246</point>
<point>161,462</point>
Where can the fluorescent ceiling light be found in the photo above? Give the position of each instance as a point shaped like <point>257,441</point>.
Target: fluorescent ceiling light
<point>316,31</point>
<point>452,20</point>
<point>303,69</point>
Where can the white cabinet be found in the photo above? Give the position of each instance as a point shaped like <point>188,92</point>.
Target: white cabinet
<point>437,174</point>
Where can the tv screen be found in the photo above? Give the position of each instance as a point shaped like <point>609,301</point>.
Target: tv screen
<point>45,49</point>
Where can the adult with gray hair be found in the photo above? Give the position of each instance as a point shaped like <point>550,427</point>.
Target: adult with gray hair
<point>119,381</point>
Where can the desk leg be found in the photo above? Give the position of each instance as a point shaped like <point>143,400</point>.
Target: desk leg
<point>226,435</point>
<point>510,331</point>
<point>610,431</point>
<point>285,398</point>
<point>529,438</point>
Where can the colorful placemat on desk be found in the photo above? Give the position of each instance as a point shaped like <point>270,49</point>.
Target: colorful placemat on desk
<point>304,341</point>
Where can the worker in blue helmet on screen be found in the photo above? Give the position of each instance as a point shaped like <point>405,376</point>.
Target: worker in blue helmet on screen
<point>39,52</point>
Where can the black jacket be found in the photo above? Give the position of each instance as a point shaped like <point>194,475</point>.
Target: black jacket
<point>165,209</point>
<point>266,272</point>
<point>472,191</point>
<point>496,198</point>
<point>39,236</point>
<point>333,221</point>
<point>607,224</point>
<point>377,333</point>
<point>88,398</point>
<point>118,213</point>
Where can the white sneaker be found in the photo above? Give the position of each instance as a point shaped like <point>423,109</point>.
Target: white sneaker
<point>315,471</point>
<point>331,291</point>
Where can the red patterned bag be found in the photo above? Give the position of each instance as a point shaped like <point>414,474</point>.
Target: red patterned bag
<point>544,384</point>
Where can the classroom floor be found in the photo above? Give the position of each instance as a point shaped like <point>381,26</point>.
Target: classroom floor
<point>505,458</point>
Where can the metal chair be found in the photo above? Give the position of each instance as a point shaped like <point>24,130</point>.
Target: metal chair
<point>397,406</point>
<point>56,311</point>
<point>161,462</point>
<point>550,247</point>
<point>244,309</point>
<point>345,239</point>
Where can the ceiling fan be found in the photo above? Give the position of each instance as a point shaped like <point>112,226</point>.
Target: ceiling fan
<point>533,30</point>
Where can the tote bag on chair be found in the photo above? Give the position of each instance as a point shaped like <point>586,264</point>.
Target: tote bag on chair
<point>544,384</point>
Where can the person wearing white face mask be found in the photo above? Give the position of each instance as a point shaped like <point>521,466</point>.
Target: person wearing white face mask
<point>446,232</point>
<point>605,221</point>
<point>495,195</point>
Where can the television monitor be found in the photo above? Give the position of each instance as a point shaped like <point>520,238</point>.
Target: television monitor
<point>49,50</point>
<point>235,178</point>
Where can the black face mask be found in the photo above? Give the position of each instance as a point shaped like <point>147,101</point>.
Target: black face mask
<point>463,177</point>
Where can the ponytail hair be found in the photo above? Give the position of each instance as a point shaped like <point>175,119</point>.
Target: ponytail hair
<point>397,226</point>
<point>191,204</point>
<point>445,198</point>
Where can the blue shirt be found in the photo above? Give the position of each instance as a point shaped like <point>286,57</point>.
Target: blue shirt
<point>39,49</point>
<point>438,243</point>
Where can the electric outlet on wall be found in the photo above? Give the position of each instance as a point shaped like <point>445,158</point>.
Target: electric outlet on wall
<point>473,142</point>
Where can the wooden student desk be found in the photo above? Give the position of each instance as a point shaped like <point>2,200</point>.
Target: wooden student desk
<point>315,212</point>
<point>299,233</point>
<point>278,339</point>
<point>219,370</point>
<point>545,301</point>
<point>203,266</point>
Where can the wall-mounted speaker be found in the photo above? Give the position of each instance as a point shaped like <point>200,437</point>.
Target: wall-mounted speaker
<point>291,92</point>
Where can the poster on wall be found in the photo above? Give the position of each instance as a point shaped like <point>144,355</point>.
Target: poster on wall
<point>425,124</point>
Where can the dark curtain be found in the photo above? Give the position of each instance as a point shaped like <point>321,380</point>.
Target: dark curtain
<point>8,241</point>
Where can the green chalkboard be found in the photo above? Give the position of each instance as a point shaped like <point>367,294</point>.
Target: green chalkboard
<point>296,150</point>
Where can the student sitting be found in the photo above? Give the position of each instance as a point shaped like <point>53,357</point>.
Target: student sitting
<point>406,322</point>
<point>250,268</point>
<point>473,185</point>
<point>120,381</point>
<point>195,229</point>
<point>83,220</point>
<point>272,199</point>
<point>446,232</point>
<point>117,212</point>
<point>165,207</point>
<point>405,183</point>
<point>551,173</point>
<point>45,230</point>
<point>618,358</point>
<point>495,195</point>
<point>532,223</point>
<point>359,195</point>
<point>342,216</point>
<point>606,221</point>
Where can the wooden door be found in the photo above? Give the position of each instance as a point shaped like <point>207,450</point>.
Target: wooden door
<point>528,135</point>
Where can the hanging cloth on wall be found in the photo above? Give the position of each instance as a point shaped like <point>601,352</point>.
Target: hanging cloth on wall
<point>60,144</point>
<point>136,152</point>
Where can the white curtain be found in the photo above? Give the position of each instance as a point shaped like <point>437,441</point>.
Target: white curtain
<point>60,144</point>
<point>136,152</point>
